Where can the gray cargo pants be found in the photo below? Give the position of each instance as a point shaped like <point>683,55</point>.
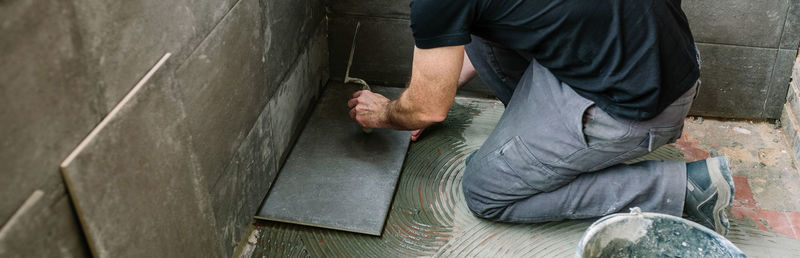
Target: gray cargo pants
<point>554,155</point>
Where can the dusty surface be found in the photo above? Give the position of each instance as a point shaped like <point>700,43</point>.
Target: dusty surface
<point>429,217</point>
<point>767,182</point>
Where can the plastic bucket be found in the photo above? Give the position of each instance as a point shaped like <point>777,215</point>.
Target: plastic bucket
<point>645,234</point>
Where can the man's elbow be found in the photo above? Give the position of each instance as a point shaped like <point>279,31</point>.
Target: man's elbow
<point>432,117</point>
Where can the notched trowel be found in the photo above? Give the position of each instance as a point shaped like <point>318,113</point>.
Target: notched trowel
<point>347,78</point>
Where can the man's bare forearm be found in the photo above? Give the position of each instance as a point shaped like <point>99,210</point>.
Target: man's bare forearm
<point>403,114</point>
<point>467,72</point>
<point>434,82</point>
<point>427,100</point>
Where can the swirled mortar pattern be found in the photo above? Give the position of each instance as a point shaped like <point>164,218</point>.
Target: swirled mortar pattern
<point>429,216</point>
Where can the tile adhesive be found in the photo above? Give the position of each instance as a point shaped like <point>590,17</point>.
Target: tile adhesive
<point>429,217</point>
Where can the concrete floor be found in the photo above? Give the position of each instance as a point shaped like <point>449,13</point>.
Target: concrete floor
<point>429,218</point>
<point>766,178</point>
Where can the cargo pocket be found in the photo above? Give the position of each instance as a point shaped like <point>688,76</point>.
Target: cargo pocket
<point>659,136</point>
<point>538,176</point>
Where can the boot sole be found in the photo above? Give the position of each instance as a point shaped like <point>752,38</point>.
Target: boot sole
<point>723,181</point>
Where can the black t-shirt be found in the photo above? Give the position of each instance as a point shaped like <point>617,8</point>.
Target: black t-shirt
<point>633,58</point>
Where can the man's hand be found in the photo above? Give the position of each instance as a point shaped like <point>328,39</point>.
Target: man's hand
<point>369,109</point>
<point>415,134</point>
<point>434,80</point>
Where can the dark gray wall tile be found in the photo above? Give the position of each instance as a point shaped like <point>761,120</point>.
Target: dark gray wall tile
<point>318,62</point>
<point>791,31</point>
<point>375,8</point>
<point>122,39</point>
<point>45,226</point>
<point>42,73</point>
<point>134,183</point>
<point>237,194</point>
<point>735,81</point>
<point>289,108</point>
<point>384,49</point>
<point>47,105</point>
<point>779,84</point>
<point>223,88</point>
<point>235,197</point>
<point>288,26</point>
<point>737,22</point>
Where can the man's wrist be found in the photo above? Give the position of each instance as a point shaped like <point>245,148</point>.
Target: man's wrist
<point>386,116</point>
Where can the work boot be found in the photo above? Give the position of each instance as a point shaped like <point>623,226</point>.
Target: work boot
<point>709,192</point>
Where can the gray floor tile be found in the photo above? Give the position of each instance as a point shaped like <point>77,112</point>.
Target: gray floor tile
<point>336,175</point>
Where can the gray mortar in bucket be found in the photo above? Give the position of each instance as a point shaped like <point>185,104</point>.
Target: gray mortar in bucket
<point>643,234</point>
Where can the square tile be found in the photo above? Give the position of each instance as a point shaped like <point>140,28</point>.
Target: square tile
<point>336,175</point>
<point>133,182</point>
<point>735,80</point>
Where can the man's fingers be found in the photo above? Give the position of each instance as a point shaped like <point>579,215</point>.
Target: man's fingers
<point>357,93</point>
<point>352,103</point>
<point>416,133</point>
<point>353,113</point>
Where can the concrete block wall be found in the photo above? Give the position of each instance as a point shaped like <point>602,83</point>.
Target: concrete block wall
<point>790,115</point>
<point>748,48</point>
<point>207,132</point>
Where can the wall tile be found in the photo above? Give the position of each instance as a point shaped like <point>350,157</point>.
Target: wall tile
<point>737,22</point>
<point>223,88</point>
<point>235,197</point>
<point>48,104</point>
<point>384,49</point>
<point>734,81</point>
<point>375,8</point>
<point>45,226</point>
<point>288,26</point>
<point>122,39</point>
<point>791,31</point>
<point>134,183</point>
<point>779,84</point>
<point>238,193</point>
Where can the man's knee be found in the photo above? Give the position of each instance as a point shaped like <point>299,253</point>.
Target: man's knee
<point>478,203</point>
<point>483,210</point>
